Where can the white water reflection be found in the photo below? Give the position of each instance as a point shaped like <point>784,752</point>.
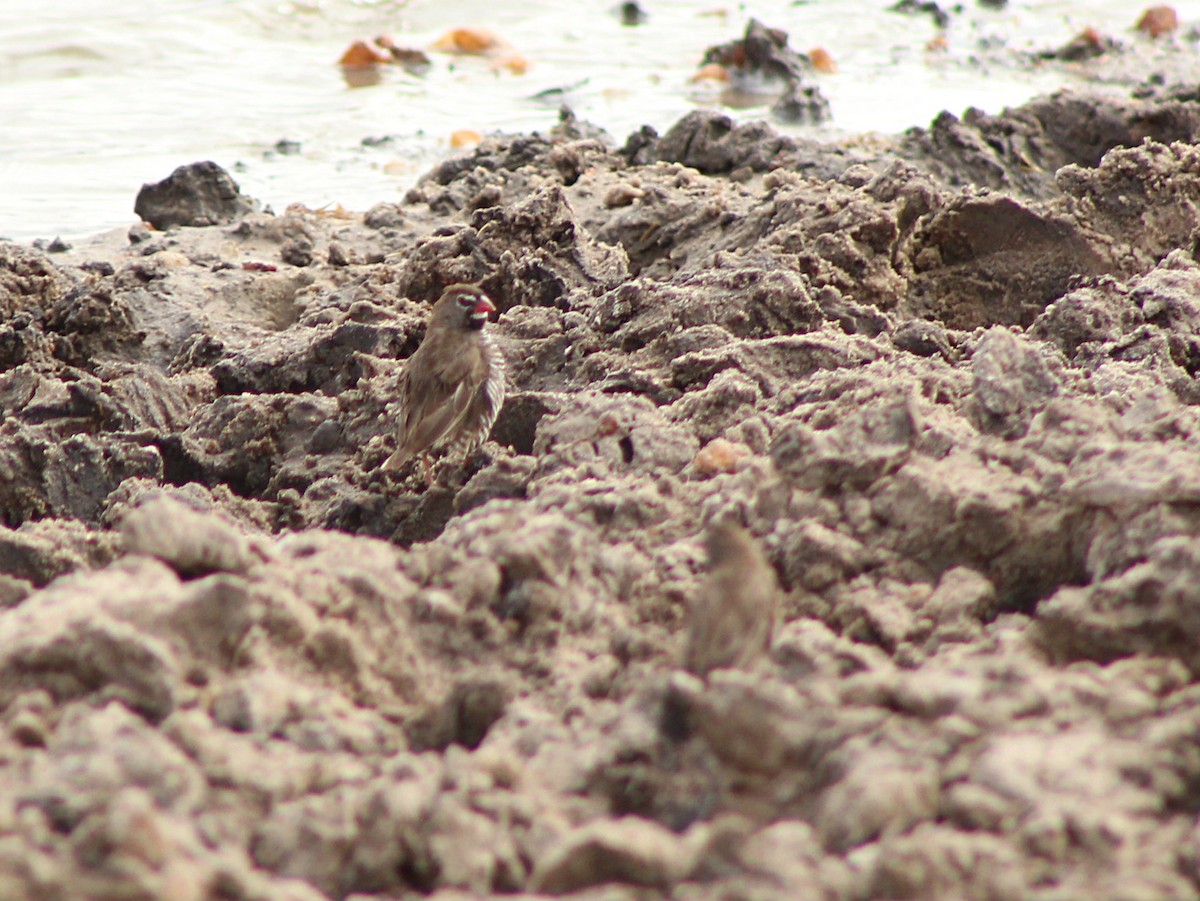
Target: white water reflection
<point>96,99</point>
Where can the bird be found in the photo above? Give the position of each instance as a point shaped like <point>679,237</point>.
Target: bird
<point>452,387</point>
<point>732,618</point>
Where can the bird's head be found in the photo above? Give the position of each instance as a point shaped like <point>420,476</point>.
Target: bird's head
<point>725,540</point>
<point>463,307</point>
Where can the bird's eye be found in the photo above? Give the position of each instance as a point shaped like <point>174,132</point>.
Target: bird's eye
<point>467,301</point>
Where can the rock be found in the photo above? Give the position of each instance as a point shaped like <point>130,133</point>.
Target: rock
<point>1022,150</point>
<point>881,794</point>
<point>1088,44</point>
<point>196,194</point>
<point>1153,216</point>
<point>925,339</point>
<point>40,551</point>
<point>516,426</point>
<point>750,723</point>
<point>296,252</point>
<point>507,478</point>
<point>801,104</point>
<point>719,456</point>
<point>627,850</point>
<point>1085,319</point>
<point>337,255</point>
<point>763,54</point>
<point>542,255</point>
<point>100,752</point>
<point>992,260</point>
<point>631,13</point>
<point>28,278</point>
<point>1158,20</point>
<point>762,51</point>
<point>1128,475</point>
<point>1109,619</point>
<point>384,215</point>
<point>471,708</point>
<point>869,444</point>
<point>932,861</point>
<point>711,142</point>
<point>788,851</point>
<point>1012,381</point>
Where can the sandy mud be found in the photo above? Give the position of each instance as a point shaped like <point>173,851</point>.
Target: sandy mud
<point>947,383</point>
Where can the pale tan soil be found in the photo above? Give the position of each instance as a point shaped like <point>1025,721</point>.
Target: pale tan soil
<point>958,370</point>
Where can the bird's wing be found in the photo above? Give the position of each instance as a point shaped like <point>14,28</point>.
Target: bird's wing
<point>463,408</point>
<point>485,397</point>
<point>431,408</point>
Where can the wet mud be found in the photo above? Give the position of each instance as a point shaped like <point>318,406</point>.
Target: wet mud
<point>946,383</point>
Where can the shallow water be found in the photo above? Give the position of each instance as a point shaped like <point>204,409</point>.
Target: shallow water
<point>93,104</point>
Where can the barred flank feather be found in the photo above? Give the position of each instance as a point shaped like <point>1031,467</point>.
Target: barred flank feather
<point>493,394</point>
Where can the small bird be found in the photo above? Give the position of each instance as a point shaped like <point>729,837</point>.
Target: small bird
<point>732,619</point>
<point>452,387</point>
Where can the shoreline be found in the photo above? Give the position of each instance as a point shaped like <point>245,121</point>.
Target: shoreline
<point>946,382</point>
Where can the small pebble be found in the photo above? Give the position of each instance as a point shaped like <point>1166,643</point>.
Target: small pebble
<point>28,729</point>
<point>337,255</point>
<point>297,252</point>
<point>719,456</point>
<point>1158,20</point>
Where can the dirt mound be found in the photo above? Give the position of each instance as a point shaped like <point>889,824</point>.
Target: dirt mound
<point>959,423</point>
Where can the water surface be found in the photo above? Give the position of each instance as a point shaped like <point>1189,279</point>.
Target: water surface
<point>94,103</point>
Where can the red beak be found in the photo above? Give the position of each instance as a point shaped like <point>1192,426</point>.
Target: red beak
<point>484,306</point>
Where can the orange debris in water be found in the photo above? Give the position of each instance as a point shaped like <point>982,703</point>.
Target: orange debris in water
<point>473,41</point>
<point>362,63</point>
<point>711,72</point>
<point>821,60</point>
<point>464,137</point>
<point>1158,20</point>
<point>515,64</point>
<point>360,54</point>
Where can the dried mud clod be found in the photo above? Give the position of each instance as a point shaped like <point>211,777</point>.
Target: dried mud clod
<point>956,429</point>
<point>197,194</point>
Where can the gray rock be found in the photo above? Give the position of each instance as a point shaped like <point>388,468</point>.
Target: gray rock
<point>1013,380</point>
<point>196,194</point>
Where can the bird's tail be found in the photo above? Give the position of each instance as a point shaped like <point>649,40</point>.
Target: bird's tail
<point>396,461</point>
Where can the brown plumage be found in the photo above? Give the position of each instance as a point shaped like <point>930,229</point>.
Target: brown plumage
<point>452,387</point>
<point>732,618</point>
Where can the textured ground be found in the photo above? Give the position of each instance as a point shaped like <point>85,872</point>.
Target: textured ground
<point>948,382</point>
